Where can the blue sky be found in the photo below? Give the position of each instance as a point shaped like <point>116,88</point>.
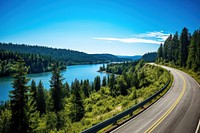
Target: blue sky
<point>120,27</point>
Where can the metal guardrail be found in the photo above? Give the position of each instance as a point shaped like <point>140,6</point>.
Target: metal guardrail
<point>115,118</point>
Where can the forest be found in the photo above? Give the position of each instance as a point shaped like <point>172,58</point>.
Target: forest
<point>71,57</point>
<point>150,57</point>
<point>36,63</point>
<point>39,58</point>
<point>182,52</point>
<point>79,105</point>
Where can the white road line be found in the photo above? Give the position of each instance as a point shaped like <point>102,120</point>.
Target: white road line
<point>197,129</point>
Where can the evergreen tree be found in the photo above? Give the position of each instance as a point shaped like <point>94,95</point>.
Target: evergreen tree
<point>66,90</point>
<point>160,51</point>
<point>135,80</point>
<point>192,58</point>
<point>49,102</point>
<point>104,81</point>
<point>198,51</point>
<point>97,83</point>
<point>33,114</point>
<point>41,105</point>
<point>165,50</point>
<point>85,87</point>
<point>112,84</point>
<point>127,78</point>
<point>56,88</point>
<point>77,109</point>
<point>5,121</point>
<point>168,48</point>
<point>175,47</point>
<point>184,43</point>
<point>121,85</point>
<point>108,79</point>
<point>19,98</point>
<point>33,91</point>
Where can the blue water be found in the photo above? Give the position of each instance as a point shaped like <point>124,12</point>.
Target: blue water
<point>80,72</point>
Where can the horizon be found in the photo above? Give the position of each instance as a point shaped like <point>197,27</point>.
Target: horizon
<point>67,49</point>
<point>97,27</point>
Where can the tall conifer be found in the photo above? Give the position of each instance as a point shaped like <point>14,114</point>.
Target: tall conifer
<point>19,98</point>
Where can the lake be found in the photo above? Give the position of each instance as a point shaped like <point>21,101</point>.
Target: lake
<point>80,72</point>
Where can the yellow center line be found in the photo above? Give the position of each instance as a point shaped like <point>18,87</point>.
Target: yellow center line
<point>149,130</point>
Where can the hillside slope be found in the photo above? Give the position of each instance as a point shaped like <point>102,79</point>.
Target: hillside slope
<point>69,56</point>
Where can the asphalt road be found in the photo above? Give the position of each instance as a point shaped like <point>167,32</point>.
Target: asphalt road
<point>176,112</point>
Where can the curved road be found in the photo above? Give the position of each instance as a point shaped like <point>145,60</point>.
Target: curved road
<point>176,112</point>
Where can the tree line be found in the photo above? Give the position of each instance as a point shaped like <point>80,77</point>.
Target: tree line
<point>70,57</point>
<point>181,50</point>
<point>150,57</point>
<point>36,63</point>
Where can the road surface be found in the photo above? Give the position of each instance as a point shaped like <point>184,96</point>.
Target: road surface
<point>176,112</point>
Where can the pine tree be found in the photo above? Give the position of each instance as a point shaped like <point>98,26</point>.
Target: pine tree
<point>198,51</point>
<point>33,114</point>
<point>165,51</point>
<point>160,51</point>
<point>184,43</point>
<point>56,88</point>
<point>85,87</point>
<point>135,80</point>
<point>175,47</point>
<point>77,109</point>
<point>66,90</point>
<point>108,79</point>
<point>104,81</point>
<point>19,98</point>
<point>97,83</point>
<point>5,120</point>
<point>41,105</point>
<point>168,48</point>
<point>112,84</point>
<point>121,85</point>
<point>192,61</point>
<point>33,91</point>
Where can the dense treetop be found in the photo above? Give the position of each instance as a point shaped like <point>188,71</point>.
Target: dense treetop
<point>36,63</point>
<point>69,56</point>
<point>150,57</point>
<point>39,58</point>
<point>181,50</point>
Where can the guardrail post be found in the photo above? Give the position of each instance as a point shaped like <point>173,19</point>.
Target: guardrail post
<point>115,123</point>
<point>131,114</point>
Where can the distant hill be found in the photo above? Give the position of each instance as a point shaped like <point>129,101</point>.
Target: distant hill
<point>150,57</point>
<point>108,57</point>
<point>136,57</point>
<point>69,56</point>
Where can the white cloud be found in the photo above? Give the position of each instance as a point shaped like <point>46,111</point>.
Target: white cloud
<point>149,37</point>
<point>129,40</point>
<point>156,35</point>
